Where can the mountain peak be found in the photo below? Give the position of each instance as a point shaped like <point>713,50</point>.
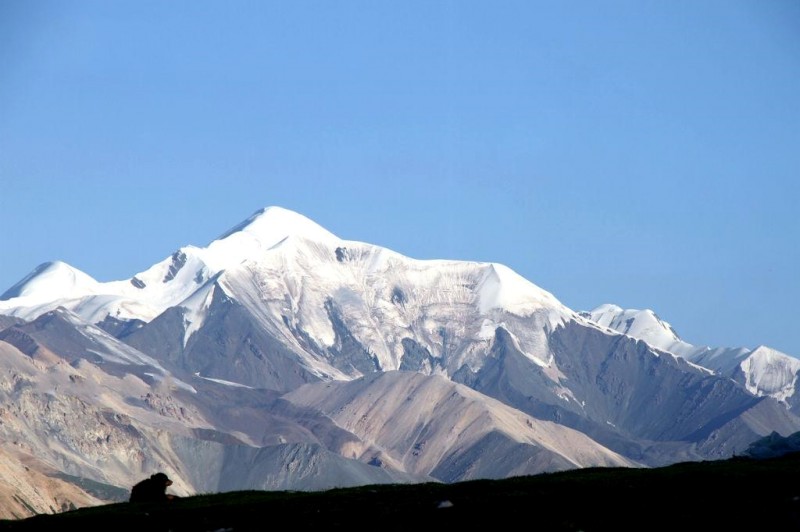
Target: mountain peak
<point>260,232</point>
<point>51,280</point>
<point>273,224</point>
<point>641,324</point>
<point>607,308</point>
<point>502,287</point>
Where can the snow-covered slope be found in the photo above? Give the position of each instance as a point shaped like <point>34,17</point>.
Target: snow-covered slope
<point>165,284</point>
<point>642,325</point>
<point>763,371</point>
<point>275,241</point>
<point>283,357</point>
<point>338,306</point>
<point>451,307</point>
<point>770,372</point>
<point>46,287</point>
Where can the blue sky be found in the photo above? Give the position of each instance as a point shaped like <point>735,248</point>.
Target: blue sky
<point>643,153</point>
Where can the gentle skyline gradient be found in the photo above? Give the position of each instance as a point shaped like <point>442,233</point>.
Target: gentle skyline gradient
<point>641,153</point>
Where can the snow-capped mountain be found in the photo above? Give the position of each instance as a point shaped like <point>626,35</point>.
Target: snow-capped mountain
<point>640,324</point>
<point>763,371</point>
<point>281,356</point>
<point>147,294</point>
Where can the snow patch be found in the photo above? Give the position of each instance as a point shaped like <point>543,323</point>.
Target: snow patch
<point>224,382</point>
<point>517,345</point>
<point>487,330</point>
<point>770,372</point>
<point>196,308</point>
<point>501,287</point>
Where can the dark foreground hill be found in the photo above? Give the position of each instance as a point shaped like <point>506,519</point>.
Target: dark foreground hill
<point>735,494</point>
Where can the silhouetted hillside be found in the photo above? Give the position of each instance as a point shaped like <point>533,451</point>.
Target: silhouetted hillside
<point>739,493</point>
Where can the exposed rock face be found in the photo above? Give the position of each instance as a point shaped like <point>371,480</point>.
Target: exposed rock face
<point>282,357</point>
<point>762,371</point>
<point>29,486</point>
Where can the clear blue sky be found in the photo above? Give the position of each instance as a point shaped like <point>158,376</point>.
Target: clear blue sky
<point>643,153</point>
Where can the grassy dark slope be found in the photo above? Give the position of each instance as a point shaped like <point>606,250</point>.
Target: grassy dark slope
<point>737,494</point>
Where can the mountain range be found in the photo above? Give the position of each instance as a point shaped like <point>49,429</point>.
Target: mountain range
<point>282,357</point>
